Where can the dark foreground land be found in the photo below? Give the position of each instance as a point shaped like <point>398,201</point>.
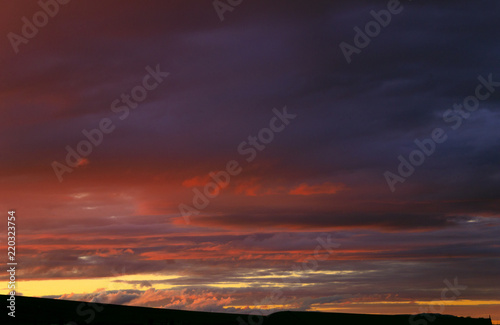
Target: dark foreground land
<point>38,311</point>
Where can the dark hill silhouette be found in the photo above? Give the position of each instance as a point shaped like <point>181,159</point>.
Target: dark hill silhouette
<point>40,311</point>
<point>282,318</point>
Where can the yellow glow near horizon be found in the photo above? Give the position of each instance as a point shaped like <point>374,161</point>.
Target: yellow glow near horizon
<point>411,307</point>
<point>464,302</point>
<point>260,307</point>
<point>39,288</point>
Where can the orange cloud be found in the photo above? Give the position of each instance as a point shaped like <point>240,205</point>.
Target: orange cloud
<point>179,299</point>
<point>325,188</point>
<point>83,162</point>
<point>196,181</point>
<point>249,188</point>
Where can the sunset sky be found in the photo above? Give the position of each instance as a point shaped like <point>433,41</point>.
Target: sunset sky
<point>305,140</point>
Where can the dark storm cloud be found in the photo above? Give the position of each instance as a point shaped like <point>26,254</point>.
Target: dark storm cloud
<point>391,93</point>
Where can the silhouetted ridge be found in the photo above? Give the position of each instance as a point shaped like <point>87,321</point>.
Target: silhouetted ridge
<point>40,311</point>
<point>288,317</point>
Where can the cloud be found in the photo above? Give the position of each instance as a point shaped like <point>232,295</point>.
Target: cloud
<point>322,174</point>
<point>325,188</point>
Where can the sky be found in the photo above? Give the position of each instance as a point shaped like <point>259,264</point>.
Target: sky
<point>255,157</point>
